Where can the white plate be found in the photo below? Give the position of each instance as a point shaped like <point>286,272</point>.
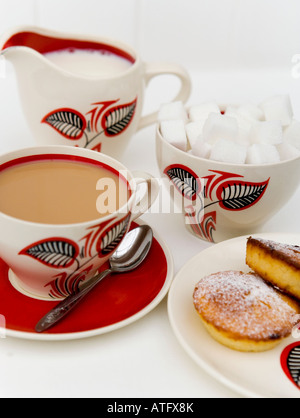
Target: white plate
<point>249,374</point>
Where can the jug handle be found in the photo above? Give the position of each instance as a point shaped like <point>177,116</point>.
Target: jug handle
<point>153,70</point>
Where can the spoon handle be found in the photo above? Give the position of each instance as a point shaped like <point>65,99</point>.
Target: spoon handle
<point>68,304</point>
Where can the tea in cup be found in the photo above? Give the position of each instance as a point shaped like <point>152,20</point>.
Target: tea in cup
<point>63,213</point>
<point>58,191</point>
<point>82,91</point>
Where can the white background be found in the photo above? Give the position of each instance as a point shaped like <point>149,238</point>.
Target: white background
<point>235,51</point>
<point>214,38</point>
<point>202,34</point>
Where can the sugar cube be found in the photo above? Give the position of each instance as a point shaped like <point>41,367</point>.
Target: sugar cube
<point>173,131</point>
<point>287,151</point>
<point>267,132</point>
<point>262,154</point>
<point>228,152</point>
<point>218,127</point>
<point>292,134</point>
<point>244,134</point>
<point>193,131</point>
<point>172,111</point>
<point>202,111</point>
<point>278,108</point>
<point>201,148</point>
<point>231,111</point>
<point>251,111</point>
<point>244,125</point>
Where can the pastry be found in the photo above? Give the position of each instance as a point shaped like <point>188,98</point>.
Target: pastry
<point>243,312</point>
<point>279,264</point>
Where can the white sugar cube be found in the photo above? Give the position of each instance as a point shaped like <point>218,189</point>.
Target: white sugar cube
<point>287,152</point>
<point>262,154</point>
<point>201,148</point>
<point>202,111</point>
<point>231,111</point>
<point>244,125</point>
<point>292,134</point>
<point>193,131</point>
<point>228,152</point>
<point>251,111</point>
<point>278,108</point>
<point>173,131</point>
<point>172,111</point>
<point>267,133</point>
<point>219,126</point>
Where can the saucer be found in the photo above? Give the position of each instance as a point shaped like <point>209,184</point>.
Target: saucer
<point>118,301</point>
<point>271,374</point>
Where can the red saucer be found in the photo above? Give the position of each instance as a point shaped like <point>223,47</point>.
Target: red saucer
<point>116,299</point>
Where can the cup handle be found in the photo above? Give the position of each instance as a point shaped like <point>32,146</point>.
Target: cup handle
<point>149,196</point>
<point>153,70</point>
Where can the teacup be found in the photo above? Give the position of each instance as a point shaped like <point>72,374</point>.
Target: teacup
<point>49,261</point>
<point>90,109</point>
<point>220,200</point>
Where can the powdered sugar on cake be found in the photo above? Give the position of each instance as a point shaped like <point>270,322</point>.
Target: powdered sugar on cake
<point>244,305</point>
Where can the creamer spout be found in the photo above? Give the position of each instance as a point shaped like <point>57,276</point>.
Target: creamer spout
<point>22,58</point>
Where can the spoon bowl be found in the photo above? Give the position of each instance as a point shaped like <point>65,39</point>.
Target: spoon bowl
<point>130,254</point>
<point>133,250</point>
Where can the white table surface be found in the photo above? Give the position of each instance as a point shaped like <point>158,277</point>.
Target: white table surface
<point>144,359</point>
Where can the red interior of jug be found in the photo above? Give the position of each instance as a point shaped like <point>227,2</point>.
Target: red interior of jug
<point>44,44</point>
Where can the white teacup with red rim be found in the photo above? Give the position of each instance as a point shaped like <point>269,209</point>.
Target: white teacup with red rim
<point>81,90</point>
<point>64,212</point>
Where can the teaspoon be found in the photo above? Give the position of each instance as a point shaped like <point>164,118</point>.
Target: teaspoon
<point>130,254</point>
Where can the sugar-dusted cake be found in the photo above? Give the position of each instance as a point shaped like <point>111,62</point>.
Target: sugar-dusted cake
<point>277,263</point>
<point>243,312</point>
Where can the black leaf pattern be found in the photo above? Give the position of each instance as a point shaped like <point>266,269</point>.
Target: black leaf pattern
<point>293,363</point>
<point>113,237</point>
<point>56,253</point>
<point>236,195</point>
<point>116,120</point>
<point>185,182</point>
<point>69,123</point>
